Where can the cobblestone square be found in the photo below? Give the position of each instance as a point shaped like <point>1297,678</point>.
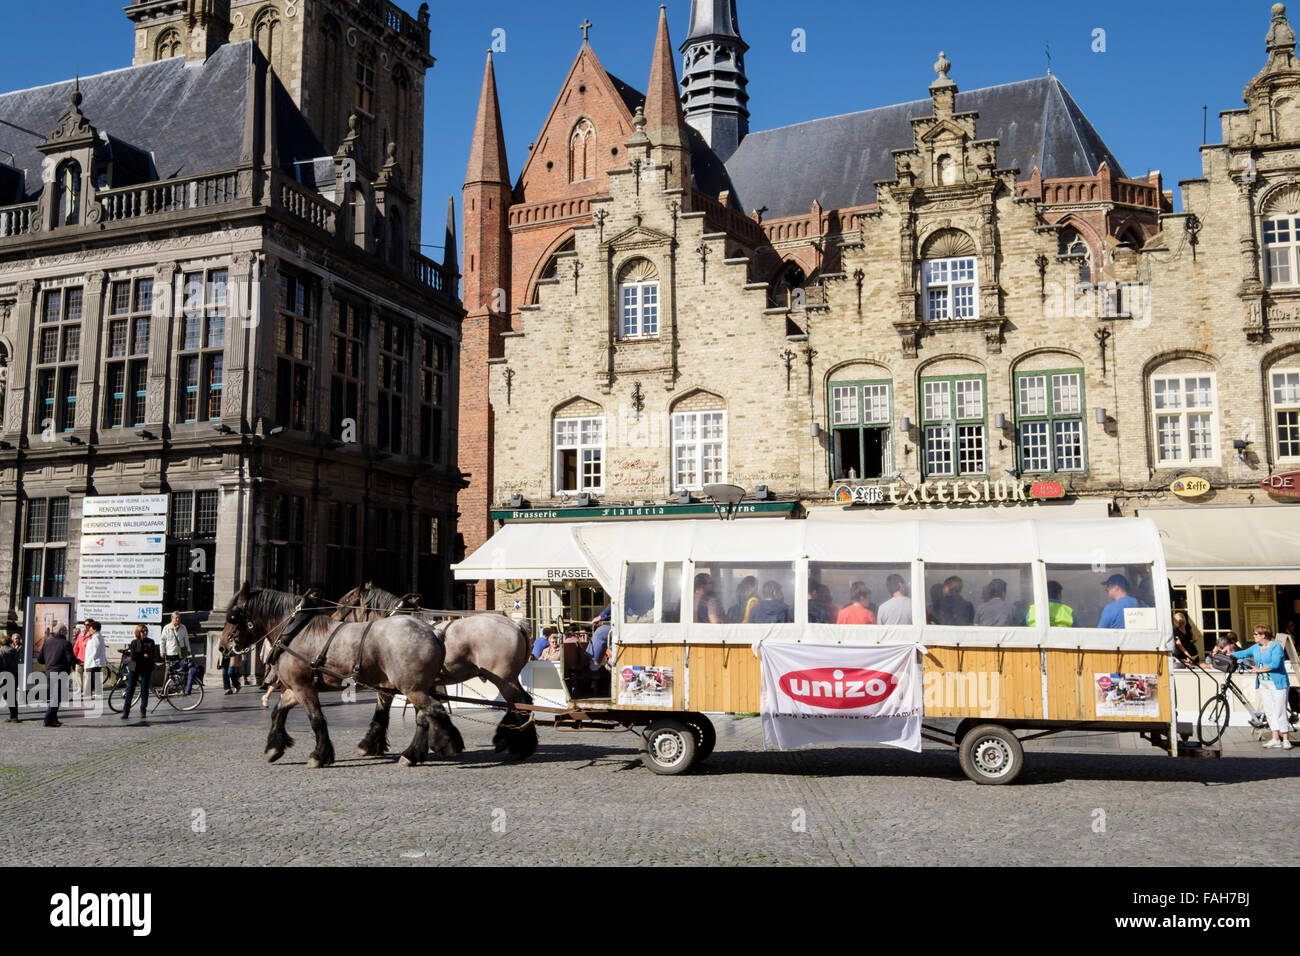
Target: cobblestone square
<point>194,788</point>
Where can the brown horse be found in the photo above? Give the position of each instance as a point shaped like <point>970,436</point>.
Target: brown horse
<point>487,646</point>
<point>314,653</point>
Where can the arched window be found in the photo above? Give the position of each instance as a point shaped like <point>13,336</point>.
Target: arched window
<point>582,151</point>
<point>578,448</point>
<point>946,170</point>
<point>168,45</point>
<point>1284,403</point>
<point>638,297</point>
<point>1070,245</point>
<point>67,194</point>
<point>1184,403</point>
<point>786,287</point>
<point>266,32</point>
<point>950,276</point>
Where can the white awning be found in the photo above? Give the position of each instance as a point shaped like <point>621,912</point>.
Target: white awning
<point>537,551</point>
<point>1205,545</point>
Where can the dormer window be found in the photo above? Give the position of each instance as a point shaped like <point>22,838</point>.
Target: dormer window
<point>67,194</point>
<point>1281,238</point>
<point>638,297</point>
<point>949,289</point>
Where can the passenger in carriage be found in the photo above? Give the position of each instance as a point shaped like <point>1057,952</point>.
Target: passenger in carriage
<point>1112,615</point>
<point>871,605</point>
<point>746,598</point>
<point>996,611</point>
<point>819,609</point>
<point>858,610</point>
<point>542,642</point>
<point>554,649</point>
<point>824,596</point>
<point>898,609</point>
<point>772,609</point>
<point>1059,614</point>
<point>708,609</point>
<point>951,608</point>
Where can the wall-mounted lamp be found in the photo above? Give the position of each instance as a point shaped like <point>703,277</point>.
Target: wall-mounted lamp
<point>683,497</point>
<point>221,428</point>
<point>760,491</point>
<point>1239,445</point>
<point>70,439</point>
<point>584,500</point>
<point>999,420</point>
<point>815,431</point>
<point>1012,472</point>
<point>905,424</point>
<point>1099,416</point>
<point>144,433</point>
<point>516,500</point>
<point>276,430</point>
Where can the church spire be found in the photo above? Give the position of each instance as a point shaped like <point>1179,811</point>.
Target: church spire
<point>487,151</point>
<point>663,110</point>
<point>713,77</point>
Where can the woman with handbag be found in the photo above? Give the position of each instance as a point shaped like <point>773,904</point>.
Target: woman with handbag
<point>1271,680</point>
<point>141,659</point>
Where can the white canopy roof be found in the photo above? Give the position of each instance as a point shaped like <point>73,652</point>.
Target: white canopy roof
<point>1255,544</point>
<point>531,551</point>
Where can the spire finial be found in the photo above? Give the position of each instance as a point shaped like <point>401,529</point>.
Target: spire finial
<point>1281,38</point>
<point>942,66</point>
<point>585,27</point>
<point>76,93</point>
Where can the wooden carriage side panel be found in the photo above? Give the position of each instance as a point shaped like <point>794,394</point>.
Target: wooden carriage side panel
<point>656,655</point>
<point>724,678</point>
<point>1072,674</point>
<point>983,682</point>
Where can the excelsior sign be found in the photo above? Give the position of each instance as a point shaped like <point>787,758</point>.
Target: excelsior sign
<point>1285,485</point>
<point>945,492</point>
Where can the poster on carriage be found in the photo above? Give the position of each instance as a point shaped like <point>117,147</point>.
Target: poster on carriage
<point>645,686</point>
<point>1127,695</point>
<point>816,694</point>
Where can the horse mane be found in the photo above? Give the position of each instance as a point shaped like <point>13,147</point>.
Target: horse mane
<point>268,604</point>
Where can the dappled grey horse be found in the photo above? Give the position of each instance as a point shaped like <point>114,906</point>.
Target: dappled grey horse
<point>488,646</point>
<point>313,652</point>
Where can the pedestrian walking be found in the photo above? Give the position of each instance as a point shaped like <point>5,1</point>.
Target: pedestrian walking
<point>95,658</point>
<point>11,655</point>
<point>1271,680</point>
<point>231,669</point>
<point>56,655</point>
<point>79,638</point>
<point>175,640</point>
<point>141,659</point>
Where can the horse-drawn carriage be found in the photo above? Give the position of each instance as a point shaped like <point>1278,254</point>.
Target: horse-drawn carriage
<point>1071,632</point>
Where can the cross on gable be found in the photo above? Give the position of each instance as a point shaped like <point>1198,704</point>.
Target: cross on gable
<point>585,26</point>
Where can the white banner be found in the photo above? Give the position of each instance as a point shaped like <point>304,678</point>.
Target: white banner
<point>123,505</point>
<point>125,633</point>
<point>129,590</point>
<point>123,524</point>
<point>121,613</point>
<point>834,693</point>
<point>123,544</point>
<point>123,565</point>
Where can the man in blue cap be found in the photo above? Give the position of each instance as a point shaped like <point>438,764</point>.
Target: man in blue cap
<point>1112,615</point>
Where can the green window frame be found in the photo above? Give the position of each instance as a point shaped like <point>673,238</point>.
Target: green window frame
<point>856,407</point>
<point>954,425</point>
<point>1051,434</point>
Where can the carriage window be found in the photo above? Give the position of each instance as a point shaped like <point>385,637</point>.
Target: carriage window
<point>978,595</point>
<point>639,595</point>
<point>855,593</point>
<point>750,593</point>
<point>1097,594</point>
<point>672,592</point>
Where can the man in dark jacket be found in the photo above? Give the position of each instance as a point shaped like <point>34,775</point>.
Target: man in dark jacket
<point>11,655</point>
<point>140,662</point>
<point>56,655</point>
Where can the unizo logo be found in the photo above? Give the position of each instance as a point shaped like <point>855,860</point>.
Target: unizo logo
<point>75,909</point>
<point>838,689</point>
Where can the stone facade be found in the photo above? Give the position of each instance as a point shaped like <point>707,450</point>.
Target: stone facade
<point>780,325</point>
<point>296,358</point>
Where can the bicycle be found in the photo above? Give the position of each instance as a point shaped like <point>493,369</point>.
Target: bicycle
<point>172,689</point>
<point>1216,711</point>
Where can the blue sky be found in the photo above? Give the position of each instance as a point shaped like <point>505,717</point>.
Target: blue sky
<point>1162,62</point>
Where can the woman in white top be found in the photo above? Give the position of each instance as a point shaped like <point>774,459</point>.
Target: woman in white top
<point>96,660</point>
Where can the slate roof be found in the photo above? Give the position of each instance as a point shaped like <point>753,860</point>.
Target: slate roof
<point>837,160</point>
<point>189,116</point>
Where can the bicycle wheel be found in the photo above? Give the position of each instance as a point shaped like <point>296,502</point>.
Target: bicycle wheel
<point>1213,720</point>
<point>115,697</point>
<point>174,694</point>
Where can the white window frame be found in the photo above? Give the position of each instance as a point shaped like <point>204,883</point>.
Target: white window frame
<point>941,276</point>
<point>1286,250</point>
<point>696,446</point>
<point>582,447</point>
<point>1049,419</point>
<point>1289,405</point>
<point>1179,416</point>
<point>639,311</point>
<point>954,440</point>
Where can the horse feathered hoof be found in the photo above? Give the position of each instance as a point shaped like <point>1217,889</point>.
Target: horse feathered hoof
<point>313,761</point>
<point>405,761</point>
<point>273,755</point>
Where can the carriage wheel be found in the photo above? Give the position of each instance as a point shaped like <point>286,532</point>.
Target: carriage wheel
<point>991,754</point>
<point>668,746</point>
<point>706,736</point>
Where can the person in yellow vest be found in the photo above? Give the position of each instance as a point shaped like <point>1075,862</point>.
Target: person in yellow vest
<point>1059,614</point>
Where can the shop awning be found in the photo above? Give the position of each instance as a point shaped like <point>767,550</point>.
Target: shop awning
<point>531,551</point>
<point>1205,545</point>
